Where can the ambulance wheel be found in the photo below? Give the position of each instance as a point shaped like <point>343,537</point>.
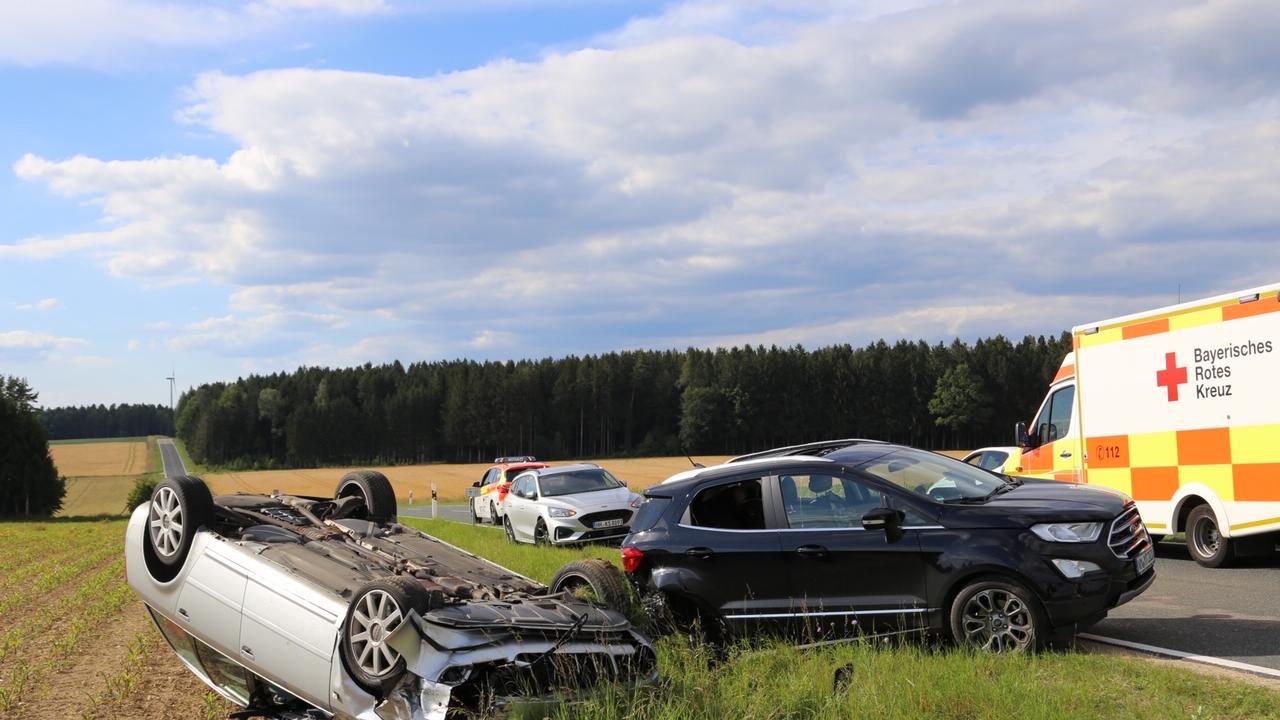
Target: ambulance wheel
<point>1205,541</point>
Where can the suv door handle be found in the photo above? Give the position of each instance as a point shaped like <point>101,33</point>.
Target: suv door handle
<point>1064,454</point>
<point>814,551</point>
<point>702,553</point>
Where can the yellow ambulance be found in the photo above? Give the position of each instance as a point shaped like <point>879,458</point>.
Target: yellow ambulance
<point>1178,408</point>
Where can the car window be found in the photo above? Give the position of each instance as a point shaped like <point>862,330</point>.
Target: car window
<point>578,481</point>
<point>731,506</point>
<point>823,501</point>
<point>491,476</point>
<point>1055,417</point>
<point>992,460</point>
<point>934,476</point>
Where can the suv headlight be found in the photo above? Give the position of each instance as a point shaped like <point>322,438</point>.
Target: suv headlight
<point>558,512</point>
<point>1068,532</point>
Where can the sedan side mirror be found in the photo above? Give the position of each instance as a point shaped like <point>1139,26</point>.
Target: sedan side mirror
<point>887,519</point>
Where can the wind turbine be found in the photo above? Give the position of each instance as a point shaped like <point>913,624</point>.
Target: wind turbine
<point>171,378</point>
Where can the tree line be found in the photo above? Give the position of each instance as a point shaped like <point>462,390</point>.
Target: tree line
<point>29,482</point>
<point>106,421</point>
<point>644,402</point>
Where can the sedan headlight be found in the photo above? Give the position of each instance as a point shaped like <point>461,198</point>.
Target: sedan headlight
<point>558,512</point>
<point>1068,532</point>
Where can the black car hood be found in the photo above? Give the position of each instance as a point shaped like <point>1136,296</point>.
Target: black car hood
<point>1035,502</point>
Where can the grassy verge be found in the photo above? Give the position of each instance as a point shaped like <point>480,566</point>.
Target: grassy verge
<point>771,679</point>
<point>539,563</point>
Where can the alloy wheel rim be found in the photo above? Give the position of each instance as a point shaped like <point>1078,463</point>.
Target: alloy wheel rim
<point>997,621</point>
<point>511,532</point>
<point>166,522</point>
<point>375,617</point>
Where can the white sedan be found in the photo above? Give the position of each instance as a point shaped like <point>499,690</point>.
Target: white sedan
<point>568,504</point>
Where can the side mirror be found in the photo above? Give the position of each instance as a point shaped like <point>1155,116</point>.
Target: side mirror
<point>1020,435</point>
<point>887,519</point>
<point>475,484</point>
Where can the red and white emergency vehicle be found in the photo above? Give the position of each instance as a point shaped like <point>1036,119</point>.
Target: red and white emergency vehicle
<point>1179,408</point>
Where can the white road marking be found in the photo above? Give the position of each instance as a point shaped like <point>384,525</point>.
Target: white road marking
<point>1191,657</point>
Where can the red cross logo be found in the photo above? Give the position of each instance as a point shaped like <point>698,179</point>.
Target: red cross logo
<point>1171,376</point>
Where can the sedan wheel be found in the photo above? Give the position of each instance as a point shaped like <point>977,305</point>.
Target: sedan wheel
<point>493,513</point>
<point>998,616</point>
<point>511,532</point>
<point>380,606</point>
<point>540,536</point>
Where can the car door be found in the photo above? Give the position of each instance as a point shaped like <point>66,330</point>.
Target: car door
<point>839,571</point>
<point>518,507</point>
<point>1056,434</point>
<point>727,554</point>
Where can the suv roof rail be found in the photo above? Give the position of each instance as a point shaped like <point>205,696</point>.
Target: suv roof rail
<point>816,449</point>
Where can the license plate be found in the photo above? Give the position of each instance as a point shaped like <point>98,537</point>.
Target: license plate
<point>1146,559</point>
<point>606,523</point>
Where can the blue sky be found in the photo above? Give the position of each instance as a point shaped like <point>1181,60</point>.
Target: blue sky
<point>223,188</point>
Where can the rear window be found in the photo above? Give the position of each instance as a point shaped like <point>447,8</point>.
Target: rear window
<point>650,510</point>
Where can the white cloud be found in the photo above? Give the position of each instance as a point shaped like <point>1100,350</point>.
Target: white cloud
<point>719,171</point>
<point>27,345</point>
<point>45,304</point>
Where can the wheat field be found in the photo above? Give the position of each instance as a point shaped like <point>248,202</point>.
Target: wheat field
<point>105,458</point>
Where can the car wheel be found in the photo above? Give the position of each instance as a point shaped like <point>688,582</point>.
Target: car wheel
<point>1205,541</point>
<point>471,507</point>
<point>998,616</point>
<point>540,536</point>
<point>371,485</point>
<point>493,512</point>
<point>511,532</point>
<point>599,577</point>
<point>377,610</point>
<point>179,505</point>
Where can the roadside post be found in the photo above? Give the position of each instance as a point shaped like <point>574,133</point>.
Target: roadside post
<point>434,505</point>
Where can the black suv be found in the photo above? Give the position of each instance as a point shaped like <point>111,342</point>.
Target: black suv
<point>857,534</point>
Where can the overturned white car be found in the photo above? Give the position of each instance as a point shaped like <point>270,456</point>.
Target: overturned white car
<point>303,607</point>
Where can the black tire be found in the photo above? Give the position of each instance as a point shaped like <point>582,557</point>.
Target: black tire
<point>374,665</point>
<point>471,507</point>
<point>493,512</point>
<point>375,489</point>
<point>179,506</point>
<point>998,615</point>
<point>510,531</point>
<point>540,535</point>
<point>602,578</point>
<point>1205,541</point>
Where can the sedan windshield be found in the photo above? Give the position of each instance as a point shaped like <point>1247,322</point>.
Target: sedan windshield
<point>577,481</point>
<point>937,477</point>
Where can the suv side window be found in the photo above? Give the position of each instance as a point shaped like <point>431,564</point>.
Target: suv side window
<point>730,506</point>
<point>823,501</point>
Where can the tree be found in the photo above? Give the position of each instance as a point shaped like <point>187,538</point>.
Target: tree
<point>19,391</point>
<point>29,482</point>
<point>959,401</point>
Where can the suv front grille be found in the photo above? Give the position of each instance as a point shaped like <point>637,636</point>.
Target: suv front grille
<point>1128,535</point>
<point>595,517</point>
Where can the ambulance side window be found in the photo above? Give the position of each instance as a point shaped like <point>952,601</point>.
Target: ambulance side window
<point>1058,410</point>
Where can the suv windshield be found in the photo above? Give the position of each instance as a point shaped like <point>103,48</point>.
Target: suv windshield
<point>937,477</point>
<point>577,481</point>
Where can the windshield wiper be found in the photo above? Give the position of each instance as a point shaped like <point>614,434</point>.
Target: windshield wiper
<point>1007,487</point>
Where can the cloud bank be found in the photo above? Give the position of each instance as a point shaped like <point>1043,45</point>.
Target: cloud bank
<point>724,172</point>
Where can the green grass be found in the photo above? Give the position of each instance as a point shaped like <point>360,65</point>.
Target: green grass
<point>539,563</point>
<point>193,468</point>
<point>888,681</point>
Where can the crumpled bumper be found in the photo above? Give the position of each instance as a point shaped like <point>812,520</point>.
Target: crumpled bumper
<point>501,654</point>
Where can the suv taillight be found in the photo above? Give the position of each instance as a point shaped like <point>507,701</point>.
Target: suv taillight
<point>631,558</point>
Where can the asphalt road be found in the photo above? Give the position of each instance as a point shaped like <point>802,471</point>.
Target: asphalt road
<point>1231,613</point>
<point>173,466</point>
